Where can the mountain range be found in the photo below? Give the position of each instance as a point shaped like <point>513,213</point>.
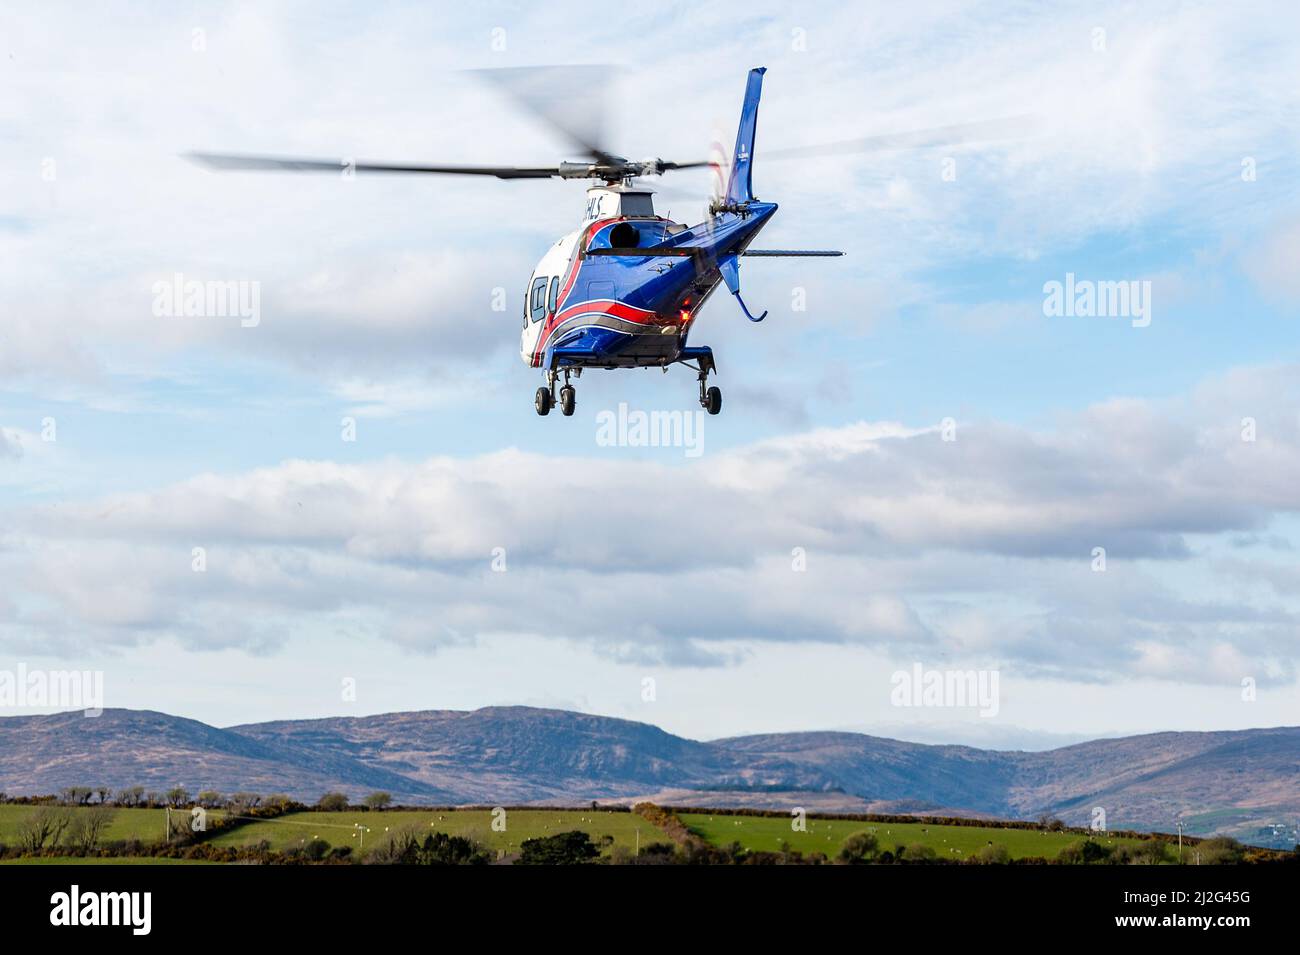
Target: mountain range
<point>1236,781</point>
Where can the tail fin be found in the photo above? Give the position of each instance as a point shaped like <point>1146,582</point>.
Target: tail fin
<point>740,185</point>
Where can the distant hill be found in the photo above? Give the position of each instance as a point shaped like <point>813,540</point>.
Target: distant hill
<point>42,754</point>
<point>1236,780</point>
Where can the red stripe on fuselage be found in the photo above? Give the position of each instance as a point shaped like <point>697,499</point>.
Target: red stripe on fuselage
<point>575,265</point>
<point>608,306</point>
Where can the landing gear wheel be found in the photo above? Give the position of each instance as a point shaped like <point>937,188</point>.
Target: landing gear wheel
<point>543,401</point>
<point>713,400</point>
<point>568,399</point>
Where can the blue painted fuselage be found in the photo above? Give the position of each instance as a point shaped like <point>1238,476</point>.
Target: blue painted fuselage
<point>630,310</point>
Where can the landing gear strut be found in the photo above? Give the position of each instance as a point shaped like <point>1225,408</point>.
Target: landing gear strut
<point>546,398</point>
<point>710,396</point>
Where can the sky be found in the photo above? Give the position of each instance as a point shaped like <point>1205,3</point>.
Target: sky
<point>349,506</point>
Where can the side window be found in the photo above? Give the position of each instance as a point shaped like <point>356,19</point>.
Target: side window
<point>537,300</point>
<point>554,296</point>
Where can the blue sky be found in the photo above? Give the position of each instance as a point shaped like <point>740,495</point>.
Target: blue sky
<point>370,559</point>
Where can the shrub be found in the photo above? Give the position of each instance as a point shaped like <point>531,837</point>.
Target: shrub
<point>918,852</point>
<point>993,855</point>
<point>1219,850</point>
<point>858,848</point>
<point>566,848</point>
<point>316,850</point>
<point>443,849</point>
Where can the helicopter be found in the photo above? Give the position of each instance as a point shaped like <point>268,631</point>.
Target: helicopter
<point>623,290</point>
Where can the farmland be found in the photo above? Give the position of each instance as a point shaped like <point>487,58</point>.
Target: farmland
<point>826,835</point>
<point>145,825</point>
<point>341,828</point>
<point>362,832</point>
<point>119,860</point>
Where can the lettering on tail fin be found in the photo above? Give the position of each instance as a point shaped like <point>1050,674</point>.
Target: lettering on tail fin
<point>740,185</point>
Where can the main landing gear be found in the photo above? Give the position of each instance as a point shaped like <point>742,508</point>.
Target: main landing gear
<point>567,399</point>
<point>711,396</point>
<point>545,399</point>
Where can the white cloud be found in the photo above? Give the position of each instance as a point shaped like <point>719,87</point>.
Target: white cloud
<point>1273,263</point>
<point>11,443</point>
<point>980,547</point>
<point>396,273</point>
<point>376,300</point>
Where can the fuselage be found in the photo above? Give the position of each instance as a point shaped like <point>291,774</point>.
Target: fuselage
<point>591,308</point>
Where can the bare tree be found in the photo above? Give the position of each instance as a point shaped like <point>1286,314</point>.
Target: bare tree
<point>181,827</point>
<point>242,802</point>
<point>44,826</point>
<point>88,826</point>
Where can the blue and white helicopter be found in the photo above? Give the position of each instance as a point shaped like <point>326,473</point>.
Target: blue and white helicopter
<point>623,289</point>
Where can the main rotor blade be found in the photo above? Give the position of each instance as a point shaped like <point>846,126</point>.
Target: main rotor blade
<point>228,161</point>
<point>983,131</point>
<point>571,99</point>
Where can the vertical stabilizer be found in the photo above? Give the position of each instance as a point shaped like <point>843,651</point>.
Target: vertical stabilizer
<point>740,186</point>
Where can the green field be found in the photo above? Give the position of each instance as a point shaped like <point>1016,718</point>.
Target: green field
<point>340,828</point>
<point>825,835</point>
<point>95,860</point>
<point>147,825</point>
<point>753,832</point>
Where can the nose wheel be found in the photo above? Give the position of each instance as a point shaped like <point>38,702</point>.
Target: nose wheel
<point>545,399</point>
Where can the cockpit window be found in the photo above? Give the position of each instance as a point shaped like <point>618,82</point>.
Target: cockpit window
<point>551,299</point>
<point>537,299</point>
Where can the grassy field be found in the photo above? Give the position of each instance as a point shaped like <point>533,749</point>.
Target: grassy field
<point>753,832</point>
<point>339,828</point>
<point>127,860</point>
<point>824,835</point>
<point>147,825</point>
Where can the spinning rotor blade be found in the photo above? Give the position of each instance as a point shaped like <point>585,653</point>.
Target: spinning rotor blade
<point>666,166</point>
<point>226,161</point>
<point>570,99</point>
<point>983,131</point>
